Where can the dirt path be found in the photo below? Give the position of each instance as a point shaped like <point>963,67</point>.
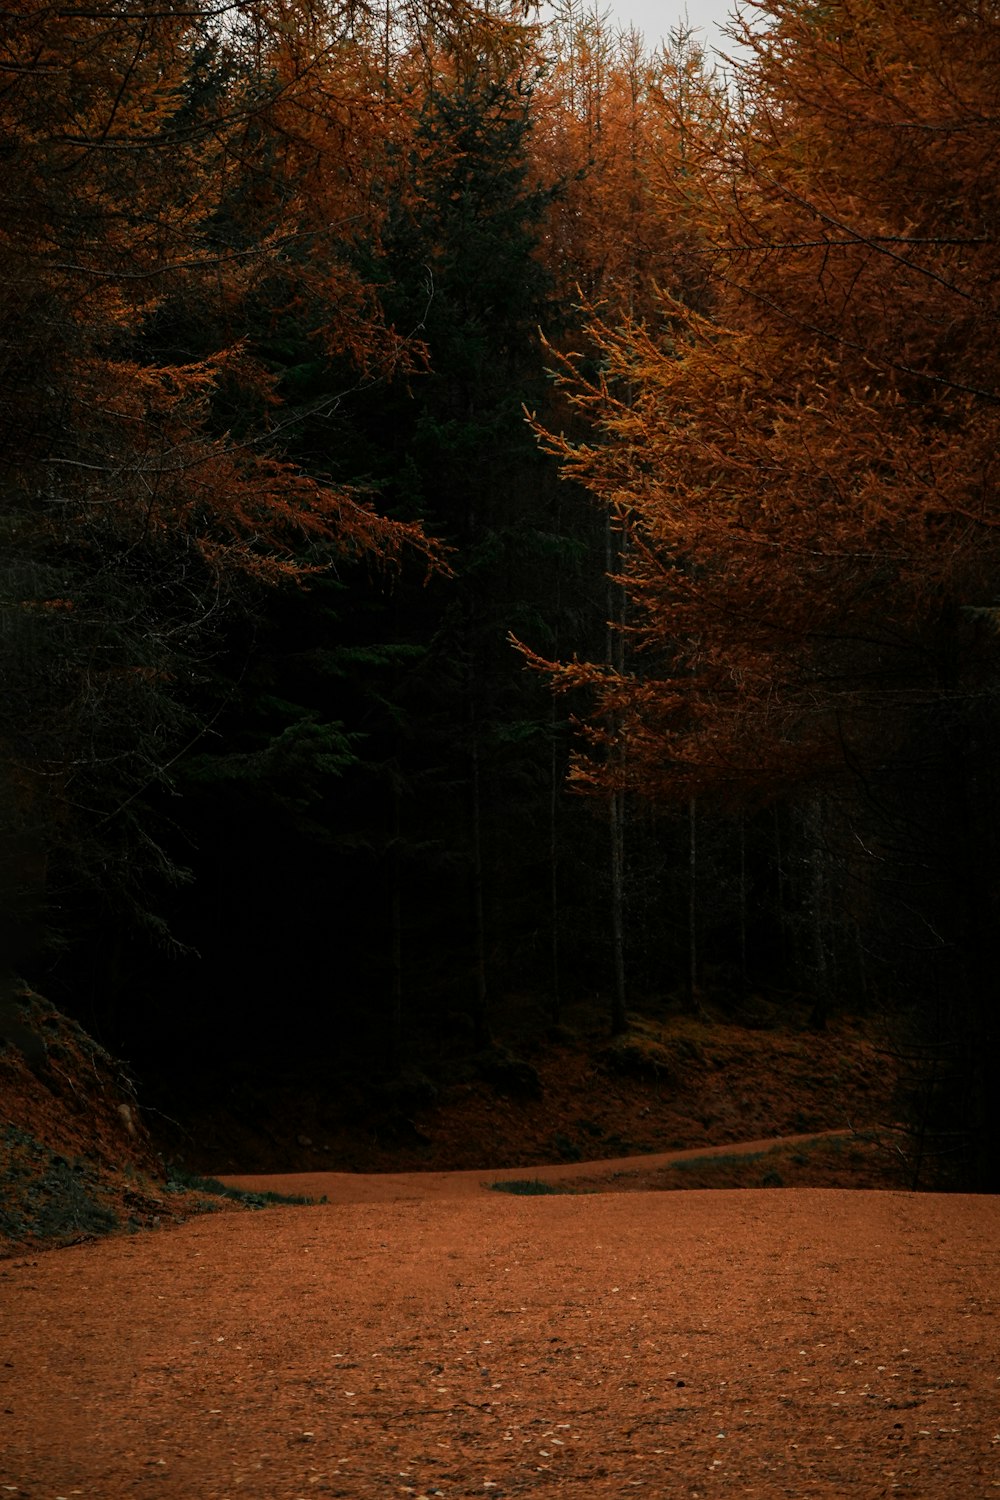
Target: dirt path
<point>757,1343</point>
<point>386,1187</point>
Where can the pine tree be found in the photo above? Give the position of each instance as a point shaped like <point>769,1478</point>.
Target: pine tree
<point>460,261</point>
<point>805,472</point>
<point>146,484</point>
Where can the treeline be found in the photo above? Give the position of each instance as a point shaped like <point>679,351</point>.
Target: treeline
<point>414,417</point>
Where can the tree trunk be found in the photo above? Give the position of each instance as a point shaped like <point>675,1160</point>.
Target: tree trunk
<point>396,921</point>
<point>744,976</point>
<point>614,652</point>
<point>693,991</point>
<point>555,1005</point>
<point>818,902</point>
<point>480,1011</point>
<point>616,821</point>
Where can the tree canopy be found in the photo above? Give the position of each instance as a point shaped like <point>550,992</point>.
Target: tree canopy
<point>341,344</point>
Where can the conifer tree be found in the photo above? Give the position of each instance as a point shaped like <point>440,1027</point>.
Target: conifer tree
<point>806,472</point>
<point>462,263</point>
<point>146,484</point>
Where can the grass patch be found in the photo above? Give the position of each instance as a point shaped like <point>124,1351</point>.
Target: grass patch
<point>736,1159</point>
<point>179,1181</point>
<point>525,1187</point>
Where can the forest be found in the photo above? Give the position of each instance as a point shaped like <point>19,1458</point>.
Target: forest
<point>492,509</point>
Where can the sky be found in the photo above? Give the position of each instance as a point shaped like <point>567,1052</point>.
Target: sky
<point>655,18</point>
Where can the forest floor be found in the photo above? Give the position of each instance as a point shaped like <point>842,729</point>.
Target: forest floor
<point>771,1345</point>
<point>552,1326</point>
<point>818,1109</point>
<point>568,1094</point>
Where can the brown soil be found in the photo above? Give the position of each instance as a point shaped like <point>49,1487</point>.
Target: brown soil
<point>746,1164</point>
<point>507,1330</point>
<point>77,1158</point>
<point>743,1343</point>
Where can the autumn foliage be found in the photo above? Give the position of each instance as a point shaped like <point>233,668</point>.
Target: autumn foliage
<point>341,343</point>
<point>802,464</point>
<point>161,159</point>
<point>807,470</point>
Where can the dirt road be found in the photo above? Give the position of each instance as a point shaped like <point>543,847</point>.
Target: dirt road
<point>757,1343</point>
<point>386,1187</point>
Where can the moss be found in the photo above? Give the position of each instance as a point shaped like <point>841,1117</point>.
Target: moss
<point>183,1182</point>
<point>525,1187</point>
<point>68,1203</point>
<point>50,1197</point>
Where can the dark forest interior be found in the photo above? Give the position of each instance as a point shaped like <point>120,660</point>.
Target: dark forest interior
<point>497,521</point>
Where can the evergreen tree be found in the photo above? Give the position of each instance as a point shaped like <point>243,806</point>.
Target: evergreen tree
<point>806,475</point>
<point>460,261</point>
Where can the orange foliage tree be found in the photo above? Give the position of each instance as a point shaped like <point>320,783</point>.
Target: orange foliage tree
<point>805,467</point>
<point>807,470</point>
<point>612,122</point>
<point>135,177</point>
<point>619,131</point>
<point>175,178</point>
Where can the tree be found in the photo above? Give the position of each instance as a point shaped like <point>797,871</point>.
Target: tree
<point>806,470</point>
<point>459,257</point>
<point>404,844</point>
<point>617,125</point>
<point>155,160</point>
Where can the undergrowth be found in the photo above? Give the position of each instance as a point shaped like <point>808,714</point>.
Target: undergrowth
<point>179,1181</point>
<point>525,1187</point>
